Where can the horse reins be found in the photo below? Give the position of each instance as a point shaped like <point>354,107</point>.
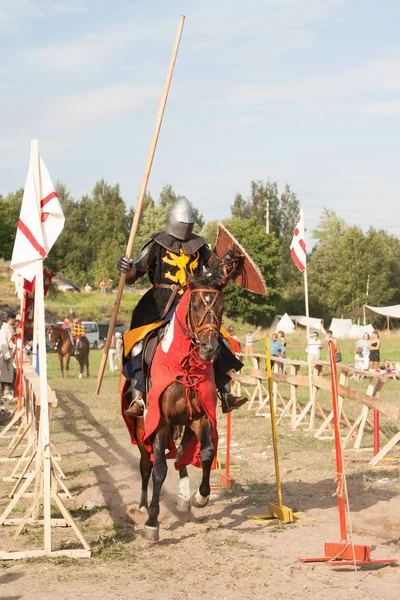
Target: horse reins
<point>209,309</point>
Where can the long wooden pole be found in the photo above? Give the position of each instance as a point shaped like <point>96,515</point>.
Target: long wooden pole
<point>139,204</point>
<point>41,339</point>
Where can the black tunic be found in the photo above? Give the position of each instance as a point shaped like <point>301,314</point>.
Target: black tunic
<point>167,267</point>
<point>166,260</point>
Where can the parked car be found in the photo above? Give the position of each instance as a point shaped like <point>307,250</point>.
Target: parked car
<point>103,328</point>
<point>92,334</point>
<point>64,285</point>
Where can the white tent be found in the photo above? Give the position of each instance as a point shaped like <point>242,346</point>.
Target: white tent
<point>285,324</point>
<point>358,331</point>
<point>341,327</point>
<point>315,324</point>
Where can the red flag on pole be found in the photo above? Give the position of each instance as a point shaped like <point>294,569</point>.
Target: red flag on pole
<point>298,245</point>
<point>40,222</point>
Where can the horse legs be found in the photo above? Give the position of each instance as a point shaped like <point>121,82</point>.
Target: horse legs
<point>146,466</point>
<point>86,361</point>
<point>151,528</point>
<point>61,359</point>
<point>67,357</point>
<point>145,471</point>
<point>183,499</point>
<point>202,429</point>
<point>81,365</point>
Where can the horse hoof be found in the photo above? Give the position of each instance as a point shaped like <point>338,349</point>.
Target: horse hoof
<point>144,509</point>
<point>182,504</point>
<point>80,376</point>
<point>151,533</point>
<point>199,501</point>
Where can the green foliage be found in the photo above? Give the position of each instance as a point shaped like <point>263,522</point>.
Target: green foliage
<point>264,250</point>
<point>283,212</point>
<point>348,267</point>
<point>9,214</point>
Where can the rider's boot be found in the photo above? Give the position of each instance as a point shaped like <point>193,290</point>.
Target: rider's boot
<point>137,406</point>
<point>229,401</point>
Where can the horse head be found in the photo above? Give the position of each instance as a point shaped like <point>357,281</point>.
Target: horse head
<point>54,333</point>
<point>205,308</point>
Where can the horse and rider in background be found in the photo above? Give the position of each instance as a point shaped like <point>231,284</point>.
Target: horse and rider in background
<point>70,340</point>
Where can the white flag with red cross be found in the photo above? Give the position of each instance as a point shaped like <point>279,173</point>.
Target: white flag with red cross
<point>41,219</point>
<point>298,245</point>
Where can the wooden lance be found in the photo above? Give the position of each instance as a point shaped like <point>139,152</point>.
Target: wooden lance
<point>139,204</point>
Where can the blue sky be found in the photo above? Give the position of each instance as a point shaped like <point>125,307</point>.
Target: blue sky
<point>305,92</point>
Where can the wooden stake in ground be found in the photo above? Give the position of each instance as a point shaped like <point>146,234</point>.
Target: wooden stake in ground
<point>139,204</point>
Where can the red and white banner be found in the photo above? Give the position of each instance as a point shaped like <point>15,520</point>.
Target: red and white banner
<point>298,245</point>
<point>40,222</point>
<point>29,287</point>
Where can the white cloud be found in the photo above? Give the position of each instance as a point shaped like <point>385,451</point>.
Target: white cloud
<point>338,91</point>
<point>236,122</point>
<point>382,109</point>
<point>17,14</point>
<point>101,104</point>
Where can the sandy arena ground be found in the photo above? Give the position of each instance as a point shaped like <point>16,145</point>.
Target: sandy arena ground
<point>217,553</point>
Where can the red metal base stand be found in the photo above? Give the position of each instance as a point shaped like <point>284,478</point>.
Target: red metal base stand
<point>345,553</point>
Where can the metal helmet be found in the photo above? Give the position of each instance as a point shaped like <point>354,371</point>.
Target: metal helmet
<point>180,219</point>
<point>71,312</point>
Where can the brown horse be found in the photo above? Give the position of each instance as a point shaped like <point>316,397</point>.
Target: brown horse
<point>202,325</point>
<point>60,339</point>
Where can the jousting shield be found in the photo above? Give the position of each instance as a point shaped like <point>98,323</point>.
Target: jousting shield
<point>247,274</point>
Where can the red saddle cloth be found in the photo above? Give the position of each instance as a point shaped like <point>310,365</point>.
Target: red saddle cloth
<point>176,360</point>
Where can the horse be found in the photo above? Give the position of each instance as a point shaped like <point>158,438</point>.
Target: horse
<point>60,339</point>
<point>202,324</point>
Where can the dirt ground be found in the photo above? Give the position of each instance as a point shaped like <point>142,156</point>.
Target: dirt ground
<point>217,553</point>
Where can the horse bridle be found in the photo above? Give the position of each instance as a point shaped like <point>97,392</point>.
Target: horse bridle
<point>200,326</point>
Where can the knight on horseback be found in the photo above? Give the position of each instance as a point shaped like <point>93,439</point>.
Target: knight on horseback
<point>167,257</point>
<point>75,328</point>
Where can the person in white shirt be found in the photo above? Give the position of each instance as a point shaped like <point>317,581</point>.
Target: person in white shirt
<point>314,347</point>
<point>6,362</point>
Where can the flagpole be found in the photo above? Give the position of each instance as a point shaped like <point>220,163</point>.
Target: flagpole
<point>41,341</point>
<point>312,414</point>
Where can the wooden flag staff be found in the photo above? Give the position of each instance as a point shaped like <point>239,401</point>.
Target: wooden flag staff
<point>139,204</point>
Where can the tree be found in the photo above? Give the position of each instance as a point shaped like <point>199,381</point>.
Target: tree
<point>283,213</point>
<point>345,258</point>
<point>264,249</point>
<point>9,213</point>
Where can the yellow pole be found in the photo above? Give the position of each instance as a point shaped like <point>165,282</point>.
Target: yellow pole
<point>273,424</point>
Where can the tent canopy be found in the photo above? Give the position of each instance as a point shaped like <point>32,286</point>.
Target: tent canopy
<point>393,312</point>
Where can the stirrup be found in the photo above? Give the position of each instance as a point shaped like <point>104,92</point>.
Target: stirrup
<point>130,412</point>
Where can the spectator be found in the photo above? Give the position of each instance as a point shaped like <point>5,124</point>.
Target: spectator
<point>112,354</point>
<point>282,339</point>
<point>234,340</point>
<point>314,347</point>
<point>103,286</point>
<point>88,288</point>
<point>387,369</point>
<point>374,351</point>
<point>109,286</point>
<point>358,363</point>
<point>6,356</point>
<point>330,338</point>
<point>364,344</point>
<point>119,343</point>
<point>276,348</point>
<point>248,349</point>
